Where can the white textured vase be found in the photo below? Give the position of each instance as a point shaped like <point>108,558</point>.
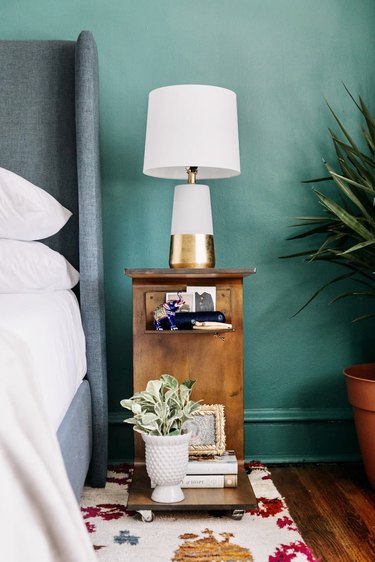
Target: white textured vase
<point>166,464</point>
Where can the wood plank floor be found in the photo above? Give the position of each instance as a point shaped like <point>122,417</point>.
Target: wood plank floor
<point>333,506</point>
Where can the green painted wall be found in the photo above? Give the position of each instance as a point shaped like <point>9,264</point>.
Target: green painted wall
<point>282,59</point>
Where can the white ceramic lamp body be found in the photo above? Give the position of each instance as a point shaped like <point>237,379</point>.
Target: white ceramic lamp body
<point>192,241</point>
<point>189,126</point>
<point>192,210</point>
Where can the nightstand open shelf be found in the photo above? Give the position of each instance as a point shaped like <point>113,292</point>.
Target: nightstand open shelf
<point>223,499</point>
<point>215,362</point>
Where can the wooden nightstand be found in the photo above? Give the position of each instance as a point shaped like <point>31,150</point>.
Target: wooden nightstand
<point>214,359</point>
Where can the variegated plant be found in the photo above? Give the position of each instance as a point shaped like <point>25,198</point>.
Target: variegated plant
<point>348,226</point>
<point>163,408</point>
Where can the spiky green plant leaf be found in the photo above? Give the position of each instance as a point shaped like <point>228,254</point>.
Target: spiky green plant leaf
<point>348,227</point>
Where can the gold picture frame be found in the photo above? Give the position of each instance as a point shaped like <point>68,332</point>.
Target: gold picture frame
<point>211,438</point>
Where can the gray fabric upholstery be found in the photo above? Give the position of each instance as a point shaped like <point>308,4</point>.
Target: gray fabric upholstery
<point>77,452</point>
<point>37,124</point>
<point>90,243</point>
<point>49,135</point>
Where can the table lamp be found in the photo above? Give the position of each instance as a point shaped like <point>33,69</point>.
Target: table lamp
<point>192,132</point>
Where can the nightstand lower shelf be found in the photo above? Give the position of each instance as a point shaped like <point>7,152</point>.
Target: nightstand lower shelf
<point>196,499</point>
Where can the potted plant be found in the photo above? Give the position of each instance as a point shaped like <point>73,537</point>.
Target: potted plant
<point>347,238</point>
<point>160,413</point>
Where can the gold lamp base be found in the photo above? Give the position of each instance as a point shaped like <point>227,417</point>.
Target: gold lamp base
<point>193,251</point>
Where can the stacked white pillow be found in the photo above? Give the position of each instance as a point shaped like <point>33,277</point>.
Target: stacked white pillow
<point>28,213</point>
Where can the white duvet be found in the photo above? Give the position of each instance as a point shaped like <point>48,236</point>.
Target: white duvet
<point>39,516</point>
<point>48,330</point>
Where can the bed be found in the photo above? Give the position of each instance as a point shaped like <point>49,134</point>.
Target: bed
<point>49,136</point>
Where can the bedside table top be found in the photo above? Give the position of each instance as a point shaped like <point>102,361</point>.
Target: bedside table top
<point>168,273</point>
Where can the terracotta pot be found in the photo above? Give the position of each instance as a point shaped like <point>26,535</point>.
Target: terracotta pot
<point>360,384</point>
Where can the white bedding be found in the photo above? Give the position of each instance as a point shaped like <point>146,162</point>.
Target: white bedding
<point>39,516</point>
<point>49,333</point>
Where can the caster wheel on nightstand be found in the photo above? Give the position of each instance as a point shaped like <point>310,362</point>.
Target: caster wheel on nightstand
<point>147,515</point>
<point>237,514</point>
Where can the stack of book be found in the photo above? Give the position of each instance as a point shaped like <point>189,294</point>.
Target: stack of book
<point>212,472</point>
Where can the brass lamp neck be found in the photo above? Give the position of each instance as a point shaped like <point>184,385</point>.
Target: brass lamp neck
<point>192,174</point>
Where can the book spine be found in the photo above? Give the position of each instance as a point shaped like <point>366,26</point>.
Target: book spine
<point>211,467</point>
<point>210,481</point>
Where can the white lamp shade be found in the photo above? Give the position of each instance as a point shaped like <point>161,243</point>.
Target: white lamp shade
<point>192,210</point>
<point>192,125</point>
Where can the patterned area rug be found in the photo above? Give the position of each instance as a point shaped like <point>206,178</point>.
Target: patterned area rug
<point>267,534</point>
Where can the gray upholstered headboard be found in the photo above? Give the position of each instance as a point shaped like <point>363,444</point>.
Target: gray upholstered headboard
<point>49,134</point>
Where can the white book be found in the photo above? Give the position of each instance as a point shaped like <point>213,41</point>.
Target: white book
<point>218,464</point>
<point>209,481</point>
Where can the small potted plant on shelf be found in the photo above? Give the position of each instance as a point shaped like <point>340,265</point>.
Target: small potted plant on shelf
<point>348,231</point>
<point>160,413</point>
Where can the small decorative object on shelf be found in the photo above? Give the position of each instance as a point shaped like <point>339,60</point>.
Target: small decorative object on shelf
<point>214,326</point>
<point>159,414</point>
<point>189,301</point>
<point>187,320</point>
<point>164,314</point>
<point>204,298</point>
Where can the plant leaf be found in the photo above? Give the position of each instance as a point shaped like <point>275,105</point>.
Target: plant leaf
<point>328,178</point>
<point>153,387</point>
<point>350,221</point>
<point>370,121</point>
<point>353,294</point>
<point>369,141</point>
<point>359,246</point>
<point>317,230</point>
<point>348,192</point>
<point>162,408</point>
<point>335,280</point>
<point>351,141</point>
<point>169,381</point>
<point>364,317</point>
<point>350,151</point>
<point>189,383</point>
<point>127,403</point>
<point>298,254</point>
<point>355,183</point>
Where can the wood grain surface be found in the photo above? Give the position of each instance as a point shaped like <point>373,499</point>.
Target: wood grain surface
<point>333,506</point>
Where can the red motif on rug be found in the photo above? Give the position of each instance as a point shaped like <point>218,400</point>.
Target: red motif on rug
<point>268,507</point>
<point>288,553</point>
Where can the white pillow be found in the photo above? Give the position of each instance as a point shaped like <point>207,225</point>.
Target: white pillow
<point>32,267</point>
<point>27,212</point>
